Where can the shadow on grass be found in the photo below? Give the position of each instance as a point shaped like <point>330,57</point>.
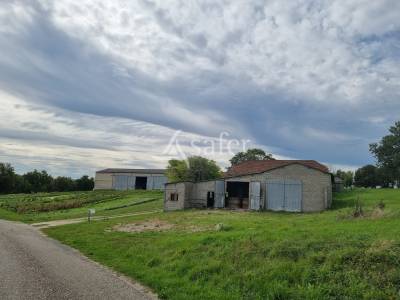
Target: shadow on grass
<point>345,199</point>
<point>342,203</point>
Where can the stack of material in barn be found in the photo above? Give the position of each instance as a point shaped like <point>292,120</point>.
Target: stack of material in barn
<point>237,203</point>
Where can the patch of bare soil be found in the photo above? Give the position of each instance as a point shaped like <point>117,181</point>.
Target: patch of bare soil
<point>149,225</point>
<point>194,229</point>
<point>158,226</point>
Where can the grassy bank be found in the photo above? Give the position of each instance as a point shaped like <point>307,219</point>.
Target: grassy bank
<point>251,255</point>
<point>55,206</point>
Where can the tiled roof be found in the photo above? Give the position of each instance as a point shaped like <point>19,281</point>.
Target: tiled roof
<point>261,166</point>
<point>140,171</point>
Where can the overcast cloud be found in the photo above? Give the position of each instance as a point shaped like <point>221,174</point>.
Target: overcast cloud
<point>90,84</point>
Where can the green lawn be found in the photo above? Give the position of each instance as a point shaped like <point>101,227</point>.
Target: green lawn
<point>257,255</point>
<point>39,207</point>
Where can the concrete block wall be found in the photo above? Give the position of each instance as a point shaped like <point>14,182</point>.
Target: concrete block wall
<point>317,186</point>
<point>103,181</point>
<point>198,195</point>
<point>183,189</point>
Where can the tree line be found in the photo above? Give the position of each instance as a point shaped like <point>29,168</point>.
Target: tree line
<point>386,171</point>
<point>39,181</point>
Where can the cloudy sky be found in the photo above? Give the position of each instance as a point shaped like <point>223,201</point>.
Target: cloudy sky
<point>91,84</point>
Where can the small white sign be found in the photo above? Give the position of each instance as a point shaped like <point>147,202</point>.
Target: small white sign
<point>92,211</point>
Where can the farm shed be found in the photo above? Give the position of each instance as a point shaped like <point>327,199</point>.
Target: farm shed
<point>130,179</point>
<point>280,185</point>
<point>204,194</point>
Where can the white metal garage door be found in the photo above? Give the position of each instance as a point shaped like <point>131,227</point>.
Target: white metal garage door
<point>284,195</point>
<point>255,193</point>
<point>120,182</point>
<point>123,182</point>
<point>219,194</point>
<point>158,182</point>
<point>131,182</point>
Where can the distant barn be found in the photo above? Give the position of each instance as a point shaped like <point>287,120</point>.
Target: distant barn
<point>130,179</point>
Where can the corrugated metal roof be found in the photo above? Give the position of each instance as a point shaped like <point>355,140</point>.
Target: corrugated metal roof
<point>140,171</point>
<point>261,166</point>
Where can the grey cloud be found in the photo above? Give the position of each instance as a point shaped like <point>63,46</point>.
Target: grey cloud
<point>34,126</point>
<point>56,167</point>
<point>41,137</point>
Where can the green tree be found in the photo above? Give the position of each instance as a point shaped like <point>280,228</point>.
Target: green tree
<point>201,168</point>
<point>384,177</point>
<point>38,181</point>
<point>196,168</point>
<point>367,176</point>
<point>177,170</point>
<point>85,183</point>
<point>387,152</point>
<point>7,178</point>
<point>346,176</point>
<point>250,154</point>
<point>63,184</point>
<point>21,185</point>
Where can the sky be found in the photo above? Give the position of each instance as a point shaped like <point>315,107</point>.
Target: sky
<point>91,84</point>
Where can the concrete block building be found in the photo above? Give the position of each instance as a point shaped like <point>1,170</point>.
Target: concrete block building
<point>278,185</point>
<point>130,179</point>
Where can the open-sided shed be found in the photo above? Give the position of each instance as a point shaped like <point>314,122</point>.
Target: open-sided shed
<point>279,185</point>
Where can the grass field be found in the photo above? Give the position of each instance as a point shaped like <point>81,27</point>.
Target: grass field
<point>55,206</point>
<point>256,255</point>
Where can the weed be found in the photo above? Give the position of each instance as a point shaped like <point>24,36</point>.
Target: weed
<point>381,205</point>
<point>358,209</point>
<point>222,227</point>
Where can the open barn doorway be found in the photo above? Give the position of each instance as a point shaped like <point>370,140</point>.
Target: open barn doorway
<point>210,199</point>
<point>238,194</point>
<point>141,183</point>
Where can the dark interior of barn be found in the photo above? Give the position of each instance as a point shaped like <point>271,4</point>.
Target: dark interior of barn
<point>210,199</point>
<point>141,183</point>
<point>238,195</point>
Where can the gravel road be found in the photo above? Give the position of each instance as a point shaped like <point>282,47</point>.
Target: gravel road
<point>33,266</point>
